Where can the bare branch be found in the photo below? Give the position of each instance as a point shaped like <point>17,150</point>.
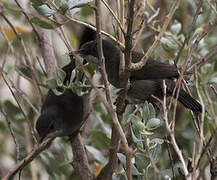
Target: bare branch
<point>142,62</point>
<point>80,161</point>
<point>171,134</point>
<point>31,156</point>
<point>113,14</point>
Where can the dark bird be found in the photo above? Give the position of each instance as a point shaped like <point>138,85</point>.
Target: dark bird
<point>145,82</point>
<point>62,115</point>
<point>65,114</point>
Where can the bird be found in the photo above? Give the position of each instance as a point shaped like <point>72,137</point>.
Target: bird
<point>65,114</point>
<point>62,115</point>
<point>145,82</point>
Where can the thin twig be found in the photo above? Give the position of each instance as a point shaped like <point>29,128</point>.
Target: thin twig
<point>142,62</point>
<point>145,23</point>
<point>88,25</point>
<point>27,57</point>
<point>203,60</point>
<point>114,15</point>
<point>12,133</point>
<point>80,161</point>
<point>172,137</point>
<point>198,12</point>
<point>18,103</point>
<point>20,92</point>
<point>30,157</point>
<point>213,88</point>
<point>104,75</point>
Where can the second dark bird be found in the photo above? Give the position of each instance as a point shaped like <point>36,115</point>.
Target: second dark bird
<point>145,82</point>
<point>65,114</point>
<point>62,115</point>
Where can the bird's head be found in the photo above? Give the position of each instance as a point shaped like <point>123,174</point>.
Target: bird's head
<point>89,51</point>
<point>49,124</point>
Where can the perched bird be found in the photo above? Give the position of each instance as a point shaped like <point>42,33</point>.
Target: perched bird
<point>62,115</point>
<point>145,82</point>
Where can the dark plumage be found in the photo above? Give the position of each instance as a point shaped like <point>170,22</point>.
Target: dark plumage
<point>62,115</point>
<point>144,82</point>
<point>65,114</point>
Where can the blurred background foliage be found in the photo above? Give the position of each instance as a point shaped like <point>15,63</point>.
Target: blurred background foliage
<point>141,122</point>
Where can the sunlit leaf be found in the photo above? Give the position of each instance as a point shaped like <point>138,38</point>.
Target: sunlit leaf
<point>136,121</point>
<point>122,159</point>
<point>176,27</point>
<point>37,2</point>
<point>51,83</point>
<point>11,109</point>
<point>26,71</point>
<point>45,22</point>
<point>44,10</point>
<point>60,76</point>
<point>153,123</point>
<point>98,169</point>
<point>141,161</point>
<point>101,139</point>
<point>96,154</point>
<point>20,29</point>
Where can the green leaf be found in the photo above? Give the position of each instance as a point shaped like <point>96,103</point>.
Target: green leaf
<point>60,76</point>
<point>96,154</point>
<point>11,109</point>
<point>141,161</point>
<point>136,121</point>
<point>151,111</point>
<point>44,10</point>
<point>145,112</point>
<point>153,123</point>
<point>86,11</point>
<point>73,75</point>
<point>45,22</point>
<point>101,139</point>
<point>63,8</point>
<point>90,69</point>
<point>135,138</point>
<point>176,27</point>
<point>56,92</point>
<point>157,141</point>
<point>37,2</point>
<point>51,83</point>
<point>156,152</point>
<point>122,159</point>
<point>213,80</point>
<point>168,44</point>
<point>26,71</point>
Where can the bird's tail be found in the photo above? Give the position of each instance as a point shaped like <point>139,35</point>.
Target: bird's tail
<point>189,102</point>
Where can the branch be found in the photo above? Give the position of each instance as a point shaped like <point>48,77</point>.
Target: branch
<point>113,14</point>
<point>198,12</point>
<point>142,62</point>
<point>203,60</point>
<point>172,136</point>
<point>80,161</point>
<point>31,156</point>
<point>48,52</point>
<point>88,25</point>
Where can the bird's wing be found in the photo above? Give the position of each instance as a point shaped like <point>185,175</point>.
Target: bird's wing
<point>143,89</point>
<point>153,69</point>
